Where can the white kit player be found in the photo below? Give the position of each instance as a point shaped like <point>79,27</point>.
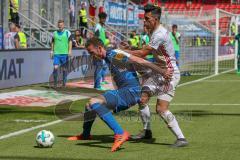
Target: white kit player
<point>154,85</point>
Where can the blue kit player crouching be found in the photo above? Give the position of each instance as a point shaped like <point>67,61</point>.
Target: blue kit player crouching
<point>127,93</point>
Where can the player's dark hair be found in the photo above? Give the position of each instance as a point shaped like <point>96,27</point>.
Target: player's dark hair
<point>131,35</point>
<point>94,41</point>
<point>155,10</point>
<point>102,15</point>
<point>18,26</point>
<point>77,30</point>
<point>60,21</point>
<point>11,24</point>
<point>174,26</point>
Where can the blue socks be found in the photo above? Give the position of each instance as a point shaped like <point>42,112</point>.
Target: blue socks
<point>106,116</point>
<point>64,77</point>
<point>55,77</point>
<point>89,118</point>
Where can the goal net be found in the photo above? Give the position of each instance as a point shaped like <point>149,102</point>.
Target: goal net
<point>207,40</point>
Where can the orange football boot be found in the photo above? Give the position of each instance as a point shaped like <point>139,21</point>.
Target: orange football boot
<point>119,140</point>
<point>79,137</point>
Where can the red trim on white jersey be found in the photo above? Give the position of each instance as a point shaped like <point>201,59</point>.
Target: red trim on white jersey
<point>163,50</point>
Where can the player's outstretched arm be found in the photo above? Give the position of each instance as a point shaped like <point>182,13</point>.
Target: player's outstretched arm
<point>140,53</point>
<point>163,71</point>
<point>134,59</point>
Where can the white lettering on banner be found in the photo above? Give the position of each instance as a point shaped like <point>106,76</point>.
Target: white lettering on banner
<point>111,11</point>
<point>26,67</point>
<point>125,15</point>
<point>11,68</point>
<point>121,14</point>
<point>45,38</point>
<point>118,14</point>
<point>189,27</point>
<point>130,16</point>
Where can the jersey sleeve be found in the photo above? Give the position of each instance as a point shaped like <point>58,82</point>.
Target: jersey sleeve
<point>237,37</point>
<point>119,55</point>
<point>69,35</point>
<point>156,41</point>
<point>97,28</point>
<point>16,37</point>
<point>178,35</point>
<point>52,37</point>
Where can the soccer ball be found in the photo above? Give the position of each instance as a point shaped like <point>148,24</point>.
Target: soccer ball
<point>45,139</point>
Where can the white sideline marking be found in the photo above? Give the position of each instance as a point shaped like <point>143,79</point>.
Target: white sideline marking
<point>28,129</point>
<point>234,104</point>
<point>37,127</point>
<point>223,81</point>
<point>202,79</point>
<point>203,104</point>
<point>71,117</point>
<point>29,121</point>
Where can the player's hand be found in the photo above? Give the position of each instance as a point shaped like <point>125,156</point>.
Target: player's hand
<point>51,54</point>
<point>124,45</point>
<point>168,74</point>
<point>70,54</point>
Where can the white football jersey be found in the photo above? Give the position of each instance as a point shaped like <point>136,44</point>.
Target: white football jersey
<point>162,44</point>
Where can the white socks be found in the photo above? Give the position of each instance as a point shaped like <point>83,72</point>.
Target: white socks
<point>145,116</point>
<point>167,116</point>
<point>172,123</point>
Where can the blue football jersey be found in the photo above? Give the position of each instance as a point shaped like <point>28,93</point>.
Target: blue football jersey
<point>122,71</point>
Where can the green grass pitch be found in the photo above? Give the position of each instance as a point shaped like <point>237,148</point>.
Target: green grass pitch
<point>208,113</point>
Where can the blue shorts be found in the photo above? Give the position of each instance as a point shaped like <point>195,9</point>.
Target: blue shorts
<point>177,55</point>
<point>123,98</point>
<point>60,59</point>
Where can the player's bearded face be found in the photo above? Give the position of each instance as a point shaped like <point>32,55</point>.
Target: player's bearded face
<point>60,26</point>
<point>96,51</point>
<point>174,30</point>
<point>103,20</point>
<point>149,21</point>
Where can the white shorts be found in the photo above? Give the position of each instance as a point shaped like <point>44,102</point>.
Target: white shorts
<point>160,88</point>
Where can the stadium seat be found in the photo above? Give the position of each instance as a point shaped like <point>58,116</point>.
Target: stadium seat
<point>166,5</point>
<point>182,7</point>
<point>198,6</point>
<point>233,8</point>
<point>227,8</point>
<point>175,6</point>
<point>221,6</point>
<point>171,7</point>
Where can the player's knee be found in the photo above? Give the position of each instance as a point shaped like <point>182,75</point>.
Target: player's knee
<point>161,106</point>
<point>160,109</point>
<point>55,67</point>
<point>146,90</point>
<point>94,100</point>
<point>87,107</point>
<point>144,98</point>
